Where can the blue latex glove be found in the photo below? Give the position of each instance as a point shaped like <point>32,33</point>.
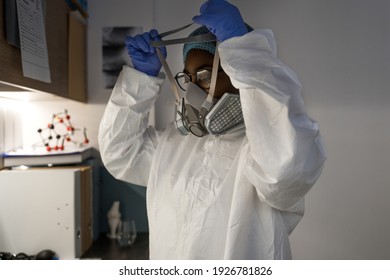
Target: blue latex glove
<point>222,19</point>
<point>143,55</point>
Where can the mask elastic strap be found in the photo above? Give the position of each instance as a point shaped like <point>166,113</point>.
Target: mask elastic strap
<point>214,74</point>
<point>209,102</point>
<point>169,74</point>
<point>208,37</point>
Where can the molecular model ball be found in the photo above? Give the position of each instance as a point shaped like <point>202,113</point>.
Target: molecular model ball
<point>61,131</point>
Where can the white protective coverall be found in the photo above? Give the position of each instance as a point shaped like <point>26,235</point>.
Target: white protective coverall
<point>235,196</point>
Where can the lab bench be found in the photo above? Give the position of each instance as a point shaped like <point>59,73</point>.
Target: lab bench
<point>109,249</point>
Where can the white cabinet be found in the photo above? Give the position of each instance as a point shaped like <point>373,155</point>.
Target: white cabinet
<point>46,208</point>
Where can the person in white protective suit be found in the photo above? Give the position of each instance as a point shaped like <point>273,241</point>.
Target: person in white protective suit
<point>236,195</point>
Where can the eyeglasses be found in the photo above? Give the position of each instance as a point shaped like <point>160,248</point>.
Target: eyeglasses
<point>202,78</point>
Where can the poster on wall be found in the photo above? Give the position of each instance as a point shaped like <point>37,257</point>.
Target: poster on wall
<point>114,52</point>
<point>109,23</point>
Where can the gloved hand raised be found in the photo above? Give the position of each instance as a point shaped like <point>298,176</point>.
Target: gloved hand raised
<point>143,55</point>
<point>222,19</point>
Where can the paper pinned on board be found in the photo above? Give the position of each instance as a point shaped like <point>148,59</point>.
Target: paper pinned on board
<point>35,59</point>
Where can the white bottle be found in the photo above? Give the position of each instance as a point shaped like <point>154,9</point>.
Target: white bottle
<point>114,220</point>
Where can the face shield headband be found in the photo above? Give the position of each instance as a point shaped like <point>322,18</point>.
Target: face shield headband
<point>214,116</point>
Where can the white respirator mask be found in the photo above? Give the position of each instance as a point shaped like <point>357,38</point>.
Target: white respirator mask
<point>198,112</point>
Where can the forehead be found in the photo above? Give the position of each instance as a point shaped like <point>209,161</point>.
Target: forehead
<point>198,59</point>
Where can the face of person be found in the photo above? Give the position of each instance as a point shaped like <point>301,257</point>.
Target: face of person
<point>198,60</point>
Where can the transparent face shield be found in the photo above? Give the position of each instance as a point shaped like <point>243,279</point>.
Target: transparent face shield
<point>197,112</point>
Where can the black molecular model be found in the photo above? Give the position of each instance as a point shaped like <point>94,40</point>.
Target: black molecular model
<point>60,131</point>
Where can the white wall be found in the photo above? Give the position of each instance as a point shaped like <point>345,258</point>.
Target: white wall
<point>339,49</point>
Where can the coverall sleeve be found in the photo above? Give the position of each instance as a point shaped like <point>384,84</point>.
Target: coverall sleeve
<point>126,142</point>
<point>285,155</point>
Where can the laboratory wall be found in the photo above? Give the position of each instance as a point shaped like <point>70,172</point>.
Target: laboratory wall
<point>340,51</point>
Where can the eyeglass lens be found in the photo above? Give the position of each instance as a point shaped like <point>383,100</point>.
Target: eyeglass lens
<point>203,79</point>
